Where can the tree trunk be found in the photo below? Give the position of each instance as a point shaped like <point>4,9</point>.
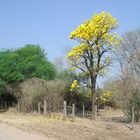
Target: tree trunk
<point>93,92</point>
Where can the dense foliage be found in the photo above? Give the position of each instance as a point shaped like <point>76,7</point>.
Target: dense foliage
<point>24,63</point>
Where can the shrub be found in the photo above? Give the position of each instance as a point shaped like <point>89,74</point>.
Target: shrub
<point>127,95</point>
<point>35,90</point>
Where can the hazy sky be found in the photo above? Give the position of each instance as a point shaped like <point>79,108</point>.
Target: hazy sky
<point>49,22</point>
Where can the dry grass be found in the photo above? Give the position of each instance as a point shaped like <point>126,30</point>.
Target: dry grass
<point>82,129</point>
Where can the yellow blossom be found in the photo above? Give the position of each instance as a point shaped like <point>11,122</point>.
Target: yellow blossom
<point>99,24</point>
<point>74,85</point>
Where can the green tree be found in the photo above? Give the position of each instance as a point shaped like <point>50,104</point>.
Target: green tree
<point>24,63</point>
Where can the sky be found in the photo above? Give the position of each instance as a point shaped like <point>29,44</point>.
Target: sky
<point>48,23</point>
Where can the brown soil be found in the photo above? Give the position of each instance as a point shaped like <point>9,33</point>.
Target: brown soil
<point>108,126</point>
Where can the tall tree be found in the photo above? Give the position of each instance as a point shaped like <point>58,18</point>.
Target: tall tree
<point>24,63</point>
<point>95,38</point>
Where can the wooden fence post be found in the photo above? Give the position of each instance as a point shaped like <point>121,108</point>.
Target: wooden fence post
<point>45,108</point>
<point>39,111</point>
<point>133,117</point>
<point>83,111</point>
<point>95,112</point>
<point>73,112</point>
<point>18,107</point>
<point>64,110</point>
<point>5,105</point>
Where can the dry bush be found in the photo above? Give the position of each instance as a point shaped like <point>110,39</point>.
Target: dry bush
<point>128,56</point>
<point>35,90</point>
<point>126,95</point>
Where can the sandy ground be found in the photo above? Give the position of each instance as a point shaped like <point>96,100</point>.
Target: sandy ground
<point>8,132</point>
<point>106,127</point>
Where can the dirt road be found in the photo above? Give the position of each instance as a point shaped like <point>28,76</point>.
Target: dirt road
<point>11,133</point>
<point>106,127</point>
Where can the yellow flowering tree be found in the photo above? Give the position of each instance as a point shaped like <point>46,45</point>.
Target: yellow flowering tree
<point>95,38</point>
<point>105,97</point>
<point>74,85</point>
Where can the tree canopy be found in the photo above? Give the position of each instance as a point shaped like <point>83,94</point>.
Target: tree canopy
<point>24,63</point>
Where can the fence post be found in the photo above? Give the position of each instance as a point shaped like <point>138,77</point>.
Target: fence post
<point>73,112</point>
<point>64,110</point>
<point>45,108</point>
<point>5,105</point>
<point>95,112</point>
<point>39,105</point>
<point>133,117</point>
<point>83,111</point>
<point>18,107</point>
